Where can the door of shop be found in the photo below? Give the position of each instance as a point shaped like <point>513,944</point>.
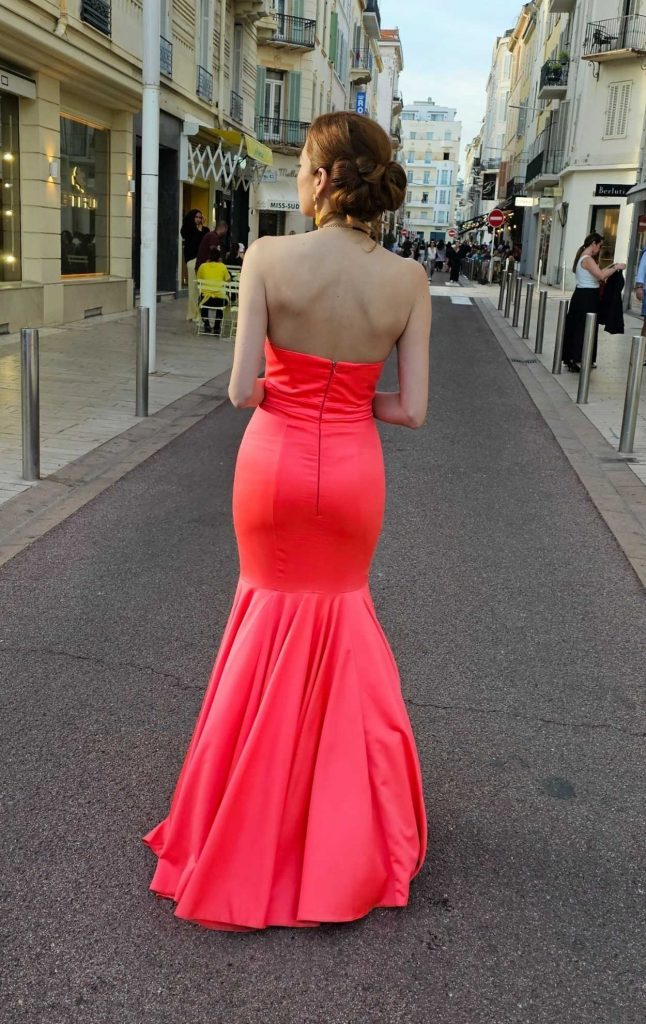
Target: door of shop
<point>605,221</point>
<point>271,222</point>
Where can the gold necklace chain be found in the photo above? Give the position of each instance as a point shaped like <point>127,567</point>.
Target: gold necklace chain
<point>364,229</point>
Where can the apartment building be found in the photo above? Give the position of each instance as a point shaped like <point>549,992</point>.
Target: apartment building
<point>324,56</point>
<point>430,154</point>
<point>591,154</point>
<point>70,97</point>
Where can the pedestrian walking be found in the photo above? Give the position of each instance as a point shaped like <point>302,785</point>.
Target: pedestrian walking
<point>431,258</point>
<point>453,259</point>
<point>440,256</point>
<point>193,230</point>
<point>585,299</point>
<point>211,278</point>
<point>300,797</point>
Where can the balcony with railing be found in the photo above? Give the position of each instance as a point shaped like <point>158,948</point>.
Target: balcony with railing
<point>97,13</point>
<point>165,57</point>
<point>281,134</point>
<point>237,107</point>
<point>204,86</point>
<point>252,10</point>
<point>361,66</point>
<point>554,76</point>
<point>491,163</point>
<point>615,39</point>
<point>544,168</point>
<point>372,19</point>
<point>398,104</point>
<point>292,33</point>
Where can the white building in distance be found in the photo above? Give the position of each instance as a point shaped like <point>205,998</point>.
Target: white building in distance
<point>430,154</point>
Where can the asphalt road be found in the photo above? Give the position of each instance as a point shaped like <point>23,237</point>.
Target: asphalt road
<point>520,633</point>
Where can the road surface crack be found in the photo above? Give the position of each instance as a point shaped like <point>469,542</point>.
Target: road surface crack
<point>537,719</point>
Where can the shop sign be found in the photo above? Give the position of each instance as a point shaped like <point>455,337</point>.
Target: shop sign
<point>546,203</point>
<point>283,204</point>
<point>270,175</point>
<point>612,191</point>
<point>525,201</point>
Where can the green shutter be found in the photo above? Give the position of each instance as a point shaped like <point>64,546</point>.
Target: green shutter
<point>294,95</point>
<point>261,79</point>
<point>334,24</point>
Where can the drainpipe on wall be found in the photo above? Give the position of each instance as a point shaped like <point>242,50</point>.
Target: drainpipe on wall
<point>150,170</point>
<point>61,24</point>
<point>223,29</point>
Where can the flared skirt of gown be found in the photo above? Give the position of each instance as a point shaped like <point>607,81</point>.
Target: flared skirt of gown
<point>299,800</point>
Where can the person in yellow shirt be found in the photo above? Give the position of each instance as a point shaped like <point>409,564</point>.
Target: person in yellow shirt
<point>213,275</point>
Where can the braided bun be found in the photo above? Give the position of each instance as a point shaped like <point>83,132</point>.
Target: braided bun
<point>364,179</point>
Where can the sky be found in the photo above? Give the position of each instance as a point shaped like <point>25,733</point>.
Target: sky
<point>447,51</point>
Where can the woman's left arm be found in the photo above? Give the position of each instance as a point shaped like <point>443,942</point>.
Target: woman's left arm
<point>246,389</point>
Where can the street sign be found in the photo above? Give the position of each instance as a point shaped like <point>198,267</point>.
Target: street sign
<point>496,219</point>
<point>451,232</point>
<point>360,103</point>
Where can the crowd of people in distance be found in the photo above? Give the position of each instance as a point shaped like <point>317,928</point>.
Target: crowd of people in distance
<point>448,257</point>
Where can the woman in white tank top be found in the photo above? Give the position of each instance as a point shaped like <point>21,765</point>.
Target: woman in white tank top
<point>585,299</point>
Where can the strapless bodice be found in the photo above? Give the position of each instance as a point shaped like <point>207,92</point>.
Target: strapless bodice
<point>305,386</point>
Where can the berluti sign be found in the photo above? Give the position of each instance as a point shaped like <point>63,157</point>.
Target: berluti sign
<point>612,191</point>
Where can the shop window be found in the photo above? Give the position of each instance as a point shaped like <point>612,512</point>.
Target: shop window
<point>10,269</point>
<point>85,177</point>
<point>605,221</point>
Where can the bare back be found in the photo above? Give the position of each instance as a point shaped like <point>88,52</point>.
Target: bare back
<point>334,293</point>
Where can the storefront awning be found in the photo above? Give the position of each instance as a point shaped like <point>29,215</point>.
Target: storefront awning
<point>637,193</point>
<point>278,195</point>
<point>227,158</point>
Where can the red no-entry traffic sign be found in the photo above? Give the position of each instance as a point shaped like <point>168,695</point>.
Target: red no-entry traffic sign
<point>451,232</point>
<point>496,219</point>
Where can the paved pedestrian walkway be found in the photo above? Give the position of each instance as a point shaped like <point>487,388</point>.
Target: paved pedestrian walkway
<point>608,382</point>
<point>519,629</point>
<point>87,385</point>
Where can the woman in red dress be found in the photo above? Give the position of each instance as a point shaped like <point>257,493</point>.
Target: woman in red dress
<point>300,797</point>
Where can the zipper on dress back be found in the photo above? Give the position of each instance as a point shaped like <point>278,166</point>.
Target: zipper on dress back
<point>318,477</point>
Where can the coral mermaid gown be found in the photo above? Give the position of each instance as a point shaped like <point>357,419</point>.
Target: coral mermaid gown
<point>300,797</point>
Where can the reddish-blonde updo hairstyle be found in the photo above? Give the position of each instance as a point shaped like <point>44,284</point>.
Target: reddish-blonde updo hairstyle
<point>357,154</point>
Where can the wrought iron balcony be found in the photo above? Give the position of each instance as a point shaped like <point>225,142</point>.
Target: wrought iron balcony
<point>204,87</point>
<point>554,76</point>
<point>491,163</point>
<point>293,33</point>
<point>361,66</point>
<point>97,13</point>
<point>546,165</point>
<point>165,57</point>
<point>615,39</point>
<point>372,19</point>
<point>237,107</point>
<point>281,134</point>
<point>398,104</point>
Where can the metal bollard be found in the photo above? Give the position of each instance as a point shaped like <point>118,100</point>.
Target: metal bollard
<point>633,393</point>
<point>501,294</point>
<point>586,358</point>
<point>540,323</point>
<point>517,300</point>
<point>30,402</point>
<point>510,285</point>
<point>560,336</point>
<point>141,398</point>
<point>527,320</point>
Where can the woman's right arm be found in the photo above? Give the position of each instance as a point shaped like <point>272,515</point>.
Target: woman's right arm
<point>407,407</point>
<point>601,275</point>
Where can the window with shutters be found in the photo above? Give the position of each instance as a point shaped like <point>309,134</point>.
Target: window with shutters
<point>617,109</point>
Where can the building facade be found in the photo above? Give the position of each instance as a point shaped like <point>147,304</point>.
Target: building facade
<point>70,102</point>
<point>430,155</point>
<point>325,56</point>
